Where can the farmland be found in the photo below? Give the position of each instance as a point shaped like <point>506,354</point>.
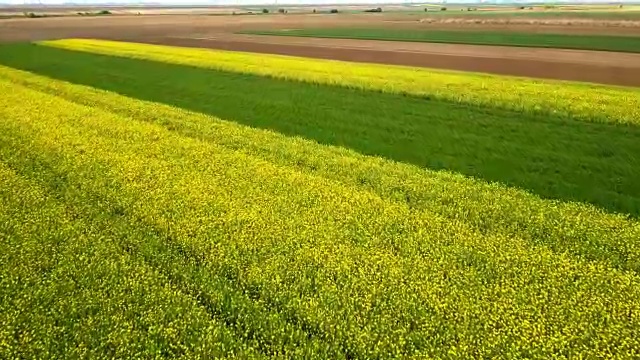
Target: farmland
<point>594,13</point>
<point>562,41</point>
<point>174,187</point>
<point>245,205</point>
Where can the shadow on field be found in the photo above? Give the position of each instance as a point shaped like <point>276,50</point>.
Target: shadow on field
<point>554,158</point>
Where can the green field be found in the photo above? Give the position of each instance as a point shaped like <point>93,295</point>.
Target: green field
<point>630,13</point>
<point>549,11</point>
<point>168,202</point>
<point>563,41</point>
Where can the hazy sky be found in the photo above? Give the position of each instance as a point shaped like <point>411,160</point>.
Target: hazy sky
<point>208,2</point>
<point>212,2</point>
<point>194,2</point>
<point>256,2</point>
<point>246,2</point>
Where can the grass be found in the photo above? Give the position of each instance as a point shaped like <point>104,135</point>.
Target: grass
<point>207,213</point>
<point>562,41</point>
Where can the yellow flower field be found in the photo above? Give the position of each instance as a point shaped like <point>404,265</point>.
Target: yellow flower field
<point>133,228</point>
<point>603,103</point>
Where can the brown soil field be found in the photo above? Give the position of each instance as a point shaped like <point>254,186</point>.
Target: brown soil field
<point>217,32</point>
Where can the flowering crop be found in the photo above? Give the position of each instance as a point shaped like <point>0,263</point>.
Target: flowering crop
<point>130,228</point>
<point>551,156</point>
<point>574,100</point>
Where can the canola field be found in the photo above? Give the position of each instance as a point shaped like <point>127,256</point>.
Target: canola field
<point>160,202</point>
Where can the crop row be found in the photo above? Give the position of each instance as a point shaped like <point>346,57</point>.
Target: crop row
<point>69,290</point>
<point>553,157</point>
<point>584,228</point>
<point>282,245</point>
<point>588,102</point>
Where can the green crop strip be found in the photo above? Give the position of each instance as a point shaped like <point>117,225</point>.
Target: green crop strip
<point>572,100</point>
<point>235,241</point>
<point>561,41</point>
<point>556,157</point>
<point>629,12</point>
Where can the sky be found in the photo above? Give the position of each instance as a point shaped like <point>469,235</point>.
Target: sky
<point>200,2</point>
<point>248,2</point>
<point>208,2</point>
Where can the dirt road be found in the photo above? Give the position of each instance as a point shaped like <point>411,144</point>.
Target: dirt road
<point>217,32</point>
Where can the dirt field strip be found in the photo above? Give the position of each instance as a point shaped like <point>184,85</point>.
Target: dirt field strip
<point>596,67</point>
<point>477,51</point>
<point>64,27</point>
<point>216,32</point>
